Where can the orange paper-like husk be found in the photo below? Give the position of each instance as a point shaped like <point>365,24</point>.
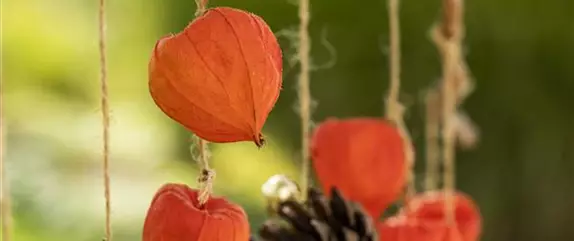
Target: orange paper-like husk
<point>430,207</point>
<point>220,77</point>
<point>363,157</point>
<point>175,215</point>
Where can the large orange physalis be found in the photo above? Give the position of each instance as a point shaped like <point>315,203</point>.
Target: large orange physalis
<point>363,157</point>
<point>175,215</point>
<point>220,77</point>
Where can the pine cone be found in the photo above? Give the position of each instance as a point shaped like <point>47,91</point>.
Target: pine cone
<point>319,219</point>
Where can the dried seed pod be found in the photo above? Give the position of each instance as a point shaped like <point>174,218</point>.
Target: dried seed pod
<point>277,189</point>
<point>220,77</point>
<point>362,157</point>
<point>175,215</point>
<point>280,187</point>
<point>320,219</point>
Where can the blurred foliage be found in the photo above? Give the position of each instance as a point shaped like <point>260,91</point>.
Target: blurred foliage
<point>520,52</point>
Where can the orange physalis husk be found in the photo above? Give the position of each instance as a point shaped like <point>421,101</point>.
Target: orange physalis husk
<point>363,157</point>
<point>175,215</point>
<point>430,207</point>
<point>220,77</point>
<point>402,228</point>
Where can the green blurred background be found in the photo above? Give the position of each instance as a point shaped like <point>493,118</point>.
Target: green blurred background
<point>520,52</point>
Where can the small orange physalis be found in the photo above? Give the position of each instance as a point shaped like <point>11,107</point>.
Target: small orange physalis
<point>220,77</point>
<point>430,207</point>
<point>175,215</point>
<point>424,220</point>
<point>402,228</point>
<point>363,157</point>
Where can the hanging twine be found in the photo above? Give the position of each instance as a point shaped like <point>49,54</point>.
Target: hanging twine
<point>105,117</point>
<point>206,175</point>
<point>448,37</point>
<point>304,93</point>
<point>5,187</point>
<point>432,124</point>
<point>394,109</point>
<point>201,7</point>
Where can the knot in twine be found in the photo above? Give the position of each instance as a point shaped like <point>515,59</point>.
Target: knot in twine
<point>206,176</point>
<point>201,7</point>
<point>205,181</point>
